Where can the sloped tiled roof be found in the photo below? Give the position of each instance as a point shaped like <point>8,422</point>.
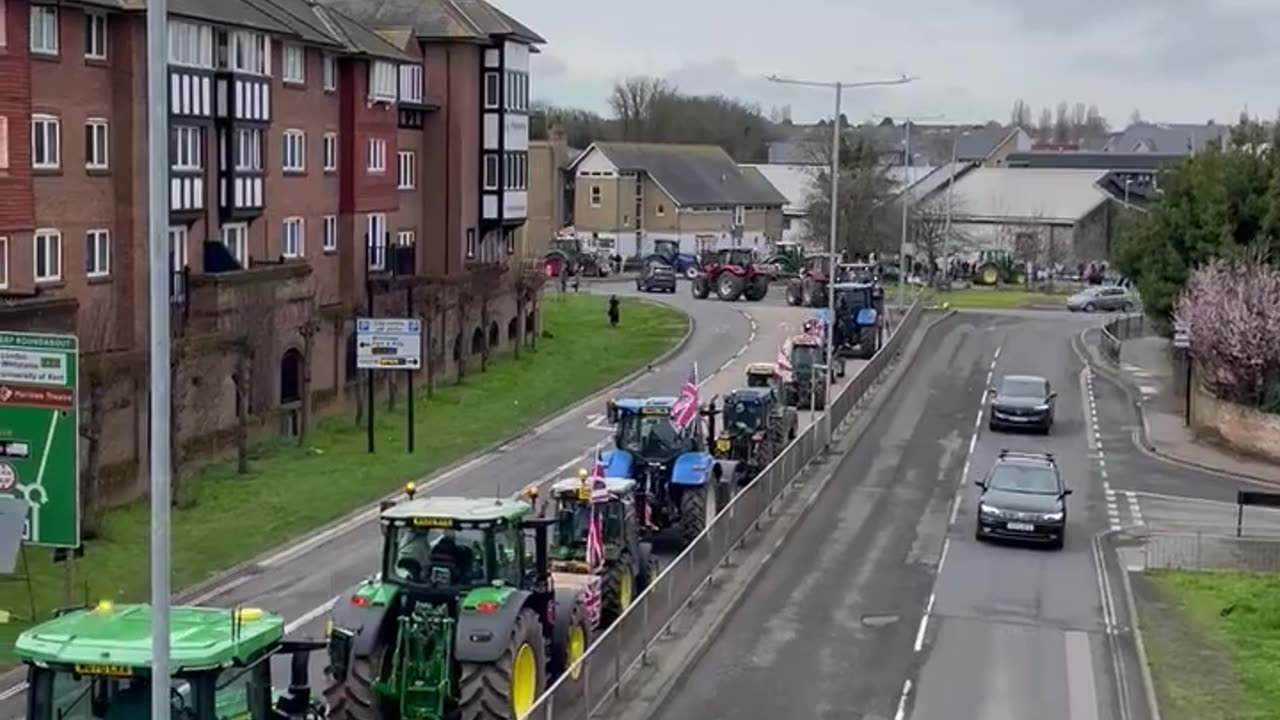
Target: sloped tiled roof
<point>1180,138</point>
<point>1096,160</point>
<point>793,181</point>
<point>438,19</point>
<point>693,174</point>
<point>979,144</point>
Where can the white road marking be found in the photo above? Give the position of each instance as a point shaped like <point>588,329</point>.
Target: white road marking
<point>310,615</point>
<point>1134,508</point>
<point>1082,695</point>
<point>901,714</point>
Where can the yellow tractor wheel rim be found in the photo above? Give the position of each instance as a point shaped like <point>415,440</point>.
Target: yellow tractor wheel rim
<point>577,648</point>
<point>524,680</point>
<point>624,592</point>
<point>989,276</point>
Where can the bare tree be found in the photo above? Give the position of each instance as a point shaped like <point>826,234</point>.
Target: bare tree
<point>101,371</point>
<point>529,281</point>
<point>1044,128</point>
<point>1020,116</point>
<point>1061,123</point>
<point>633,101</point>
<point>251,325</point>
<point>1079,117</point>
<point>308,330</point>
<point>927,230</point>
<point>1135,118</point>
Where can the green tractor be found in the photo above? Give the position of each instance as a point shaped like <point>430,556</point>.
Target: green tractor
<point>805,383</point>
<point>89,663</point>
<point>757,426</point>
<point>998,267</point>
<point>628,565</point>
<point>459,623</point>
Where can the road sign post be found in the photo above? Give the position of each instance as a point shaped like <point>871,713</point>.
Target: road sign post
<point>391,344</point>
<point>40,433</point>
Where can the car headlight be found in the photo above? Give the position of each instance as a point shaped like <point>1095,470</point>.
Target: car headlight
<point>1043,408</point>
<point>1052,517</point>
<point>985,509</point>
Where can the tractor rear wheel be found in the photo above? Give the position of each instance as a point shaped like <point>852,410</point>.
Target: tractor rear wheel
<point>354,697</point>
<point>757,289</point>
<point>793,294</point>
<point>697,507</point>
<point>619,590</point>
<point>729,286</point>
<point>700,287</point>
<point>508,687</point>
<point>808,292</point>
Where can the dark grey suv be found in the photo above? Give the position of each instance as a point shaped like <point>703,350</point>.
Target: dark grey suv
<point>1023,498</point>
<point>656,276</point>
<point>1022,401</point>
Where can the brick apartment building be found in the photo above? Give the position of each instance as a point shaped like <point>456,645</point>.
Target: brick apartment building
<point>321,153</point>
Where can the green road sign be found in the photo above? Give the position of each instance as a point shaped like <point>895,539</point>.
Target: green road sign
<point>40,433</point>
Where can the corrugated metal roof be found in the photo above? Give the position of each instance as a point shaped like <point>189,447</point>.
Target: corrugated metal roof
<point>693,174</point>
<point>1058,196</point>
<point>794,182</point>
<point>924,187</point>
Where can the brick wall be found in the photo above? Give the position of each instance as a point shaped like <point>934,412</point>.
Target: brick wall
<point>16,201</point>
<point>1245,429</point>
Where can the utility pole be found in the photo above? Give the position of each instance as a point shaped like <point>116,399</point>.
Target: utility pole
<point>946,228</point>
<point>836,131</point>
<point>904,199</point>
<point>158,268</point>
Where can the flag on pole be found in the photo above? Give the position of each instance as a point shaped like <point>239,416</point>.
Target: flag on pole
<point>685,409</point>
<point>595,541</point>
<point>597,467</point>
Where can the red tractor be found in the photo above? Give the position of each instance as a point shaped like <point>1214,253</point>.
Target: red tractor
<point>732,273</point>
<point>809,288</point>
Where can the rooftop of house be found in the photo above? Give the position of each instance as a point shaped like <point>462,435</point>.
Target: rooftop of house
<point>1181,138</point>
<point>794,182</point>
<point>936,178</point>
<point>1038,195</point>
<point>457,20</point>
<point>692,174</point>
<point>1136,162</point>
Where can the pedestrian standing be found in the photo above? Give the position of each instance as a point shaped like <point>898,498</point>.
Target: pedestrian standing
<point>613,311</point>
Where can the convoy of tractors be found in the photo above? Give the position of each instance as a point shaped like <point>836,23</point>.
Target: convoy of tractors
<point>477,604</point>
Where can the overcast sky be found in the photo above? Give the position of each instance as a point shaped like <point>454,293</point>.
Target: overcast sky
<point>1175,60</point>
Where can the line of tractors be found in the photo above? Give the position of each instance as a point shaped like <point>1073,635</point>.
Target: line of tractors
<point>477,604</point>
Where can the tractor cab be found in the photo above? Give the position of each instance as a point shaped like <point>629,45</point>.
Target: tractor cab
<point>734,257</point>
<point>574,498</point>
<point>763,375</point>
<point>806,381</point>
<point>644,429</point>
<point>746,411</point>
<point>858,317</point>
<point>93,663</point>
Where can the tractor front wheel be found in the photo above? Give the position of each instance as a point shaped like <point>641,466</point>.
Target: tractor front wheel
<point>700,287</point>
<point>354,697</point>
<point>728,286</point>
<point>793,294</point>
<point>571,640</point>
<point>508,687</point>
<point>618,591</point>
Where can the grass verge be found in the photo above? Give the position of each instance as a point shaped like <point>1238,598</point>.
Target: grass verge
<point>291,490</point>
<point>1213,640</point>
<point>999,298</point>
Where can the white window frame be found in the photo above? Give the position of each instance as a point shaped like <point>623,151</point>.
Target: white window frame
<point>51,127</point>
<point>470,244</point>
<point>97,146</point>
<point>293,64</point>
<point>4,262</point>
<point>406,170</point>
<point>293,151</point>
<point>177,248</point>
<point>46,237</point>
<point>739,215</point>
<point>406,238</point>
<point>190,44</point>
<point>249,154</point>
<point>329,72</point>
<point>329,233</point>
<point>293,242</point>
<point>412,83</point>
<point>492,171</point>
<point>375,227</point>
<point>97,253</point>
<point>661,210</point>
<point>383,81</point>
<point>95,35</point>
<point>235,236</point>
<point>375,155</point>
<point>4,31</point>
<point>249,52</point>
<point>595,196</point>
<point>329,152</point>
<point>188,148</point>
<point>45,25</point>
<point>4,137</point>
<point>492,90</point>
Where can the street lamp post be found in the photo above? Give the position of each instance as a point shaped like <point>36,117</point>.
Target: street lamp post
<point>836,129</point>
<point>906,180</point>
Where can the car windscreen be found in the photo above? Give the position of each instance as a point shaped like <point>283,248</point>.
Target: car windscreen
<point>1029,479</point>
<point>1022,388</point>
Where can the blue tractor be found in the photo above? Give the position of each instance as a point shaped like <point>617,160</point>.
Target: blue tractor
<point>859,319</point>
<point>679,483</point>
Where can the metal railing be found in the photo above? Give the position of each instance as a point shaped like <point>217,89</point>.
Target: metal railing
<point>1119,330</point>
<point>599,673</point>
<point>1212,550</point>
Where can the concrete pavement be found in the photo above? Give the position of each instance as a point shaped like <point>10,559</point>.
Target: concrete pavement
<point>882,605</point>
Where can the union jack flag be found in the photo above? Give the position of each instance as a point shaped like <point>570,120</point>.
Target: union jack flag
<point>595,541</point>
<point>597,467</point>
<point>685,409</point>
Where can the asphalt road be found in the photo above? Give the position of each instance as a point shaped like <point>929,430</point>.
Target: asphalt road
<point>882,605</point>
<point>302,581</point>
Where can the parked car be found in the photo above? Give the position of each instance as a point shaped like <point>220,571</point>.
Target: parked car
<point>656,275</point>
<point>1102,297</point>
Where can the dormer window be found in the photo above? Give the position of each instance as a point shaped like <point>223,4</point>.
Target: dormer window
<point>382,81</point>
<point>250,53</point>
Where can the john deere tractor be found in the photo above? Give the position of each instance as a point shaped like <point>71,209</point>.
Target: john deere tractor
<point>627,564</point>
<point>757,426</point>
<point>89,663</point>
<point>996,267</point>
<point>804,382</point>
<point>460,621</point>
<point>678,483</point>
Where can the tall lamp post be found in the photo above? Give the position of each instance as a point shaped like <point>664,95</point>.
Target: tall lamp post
<point>906,163</point>
<point>836,129</point>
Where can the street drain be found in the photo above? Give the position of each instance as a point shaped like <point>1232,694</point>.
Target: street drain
<point>876,621</point>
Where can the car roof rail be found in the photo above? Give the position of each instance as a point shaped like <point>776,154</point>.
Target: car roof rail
<point>1007,453</point>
